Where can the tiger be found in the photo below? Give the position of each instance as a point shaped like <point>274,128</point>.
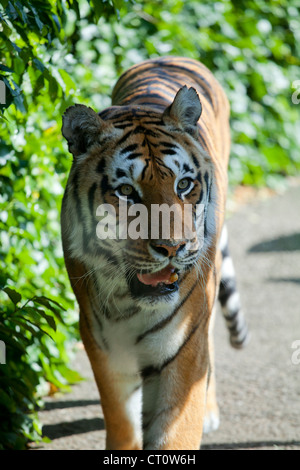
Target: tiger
<point>147,304</point>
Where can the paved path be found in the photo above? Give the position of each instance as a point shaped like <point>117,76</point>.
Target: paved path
<point>258,387</point>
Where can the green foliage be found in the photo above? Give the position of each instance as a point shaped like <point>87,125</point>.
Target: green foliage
<point>35,356</point>
<point>55,53</point>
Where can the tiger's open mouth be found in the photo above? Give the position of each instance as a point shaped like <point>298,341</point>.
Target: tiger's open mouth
<point>155,284</point>
<point>166,275</point>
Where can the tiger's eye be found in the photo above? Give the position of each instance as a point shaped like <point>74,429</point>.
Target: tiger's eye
<point>126,190</point>
<point>184,184</point>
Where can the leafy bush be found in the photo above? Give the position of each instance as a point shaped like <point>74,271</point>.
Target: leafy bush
<point>38,334</point>
<point>55,53</point>
<point>35,356</point>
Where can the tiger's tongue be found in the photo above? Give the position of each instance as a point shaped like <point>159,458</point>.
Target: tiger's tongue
<point>166,276</point>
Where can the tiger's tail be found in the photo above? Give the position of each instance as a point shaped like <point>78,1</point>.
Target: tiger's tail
<point>229,298</point>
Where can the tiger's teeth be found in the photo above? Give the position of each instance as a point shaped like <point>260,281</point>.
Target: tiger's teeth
<point>173,278</point>
<point>165,276</point>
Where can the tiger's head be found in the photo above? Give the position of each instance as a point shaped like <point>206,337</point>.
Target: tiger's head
<point>140,175</point>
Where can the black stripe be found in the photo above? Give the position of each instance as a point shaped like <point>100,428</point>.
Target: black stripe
<point>239,341</point>
<point>100,166</point>
<point>101,250</point>
<point>95,313</point>
<point>149,93</point>
<point>139,129</point>
<point>134,155</point>
<point>164,70</point>
<point>225,252</point>
<point>105,186</point>
<point>199,178</point>
<point>149,85</point>
<point>203,142</point>
<point>151,133</point>
<point>232,316</point>
<point>76,196</point>
<point>145,168</point>
<point>151,370</point>
<point>226,290</point>
<point>187,168</point>
<point>164,132</point>
<point>126,316</point>
<point>151,121</point>
<point>206,179</point>
<point>103,114</point>
<point>166,320</point>
<point>154,418</point>
<point>129,148</point>
<point>123,126</point>
<point>120,173</point>
<point>160,107</point>
<point>160,163</point>
<point>195,160</point>
<point>199,79</point>
<point>142,130</point>
<point>91,195</point>
<point>124,138</point>
<point>169,145</point>
<point>168,152</point>
<point>124,114</point>
<point>234,330</point>
<point>86,236</point>
<point>200,197</point>
<point>186,71</point>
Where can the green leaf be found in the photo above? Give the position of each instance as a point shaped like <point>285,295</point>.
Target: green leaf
<point>5,69</point>
<point>50,320</point>
<point>39,65</point>
<point>48,303</point>
<point>4,3</point>
<point>14,296</point>
<point>37,19</point>
<point>69,83</point>
<point>35,316</point>
<point>7,401</point>
<point>22,13</point>
<point>20,343</point>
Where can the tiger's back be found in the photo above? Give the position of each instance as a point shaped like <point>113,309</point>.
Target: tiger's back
<point>155,82</point>
<point>146,302</point>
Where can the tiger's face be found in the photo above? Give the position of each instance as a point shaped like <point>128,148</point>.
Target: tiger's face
<point>142,181</point>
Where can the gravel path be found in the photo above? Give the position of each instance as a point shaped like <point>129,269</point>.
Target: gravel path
<point>258,387</point>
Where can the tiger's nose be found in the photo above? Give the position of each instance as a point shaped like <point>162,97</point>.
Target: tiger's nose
<point>167,249</point>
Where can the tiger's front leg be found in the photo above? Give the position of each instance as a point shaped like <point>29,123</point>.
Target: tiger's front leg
<point>175,398</point>
<point>121,396</point>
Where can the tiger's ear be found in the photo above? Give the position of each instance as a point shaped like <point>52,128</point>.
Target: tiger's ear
<point>81,127</point>
<point>185,110</point>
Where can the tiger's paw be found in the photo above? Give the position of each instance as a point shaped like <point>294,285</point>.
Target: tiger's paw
<point>211,421</point>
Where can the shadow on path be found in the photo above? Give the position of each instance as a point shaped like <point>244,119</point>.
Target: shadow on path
<point>57,405</point>
<point>250,445</point>
<point>295,280</point>
<point>283,243</point>
<point>69,428</point>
